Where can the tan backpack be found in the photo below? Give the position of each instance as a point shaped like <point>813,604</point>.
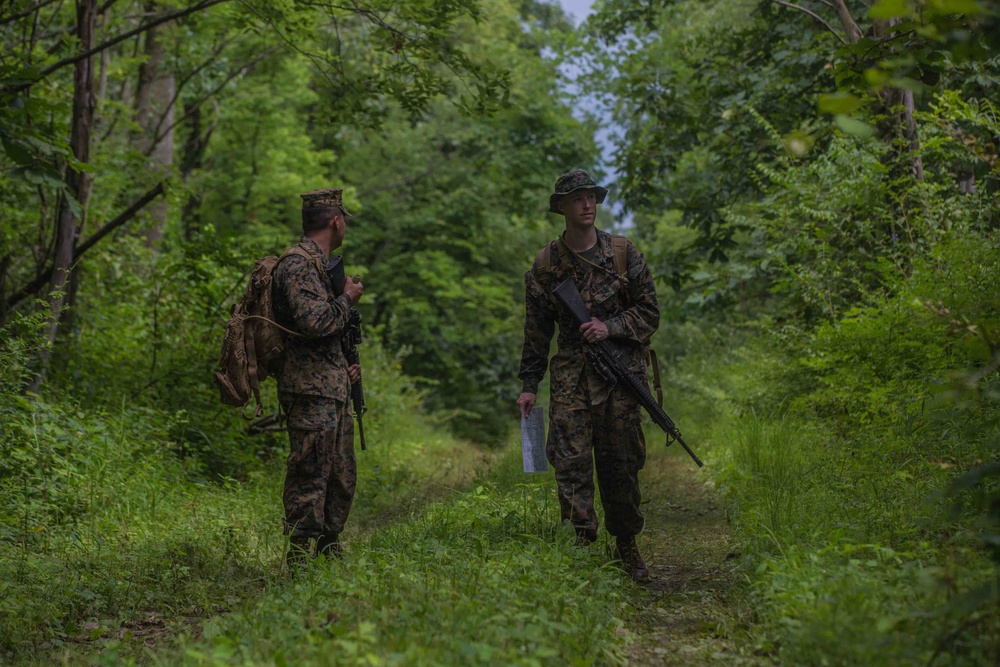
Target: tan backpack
<point>253,345</point>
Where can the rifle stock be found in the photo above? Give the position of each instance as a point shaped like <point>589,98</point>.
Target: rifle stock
<point>609,360</point>
<point>350,340</point>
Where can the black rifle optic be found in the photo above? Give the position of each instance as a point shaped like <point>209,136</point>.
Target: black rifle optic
<point>350,340</point>
<point>609,360</point>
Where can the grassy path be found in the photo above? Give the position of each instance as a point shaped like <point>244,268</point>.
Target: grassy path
<point>461,561</point>
<point>691,609</point>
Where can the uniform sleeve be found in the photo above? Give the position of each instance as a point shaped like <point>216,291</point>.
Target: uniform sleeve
<point>313,314</point>
<point>642,318</point>
<point>539,325</point>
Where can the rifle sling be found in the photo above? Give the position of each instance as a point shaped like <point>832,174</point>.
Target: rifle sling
<point>656,375</point>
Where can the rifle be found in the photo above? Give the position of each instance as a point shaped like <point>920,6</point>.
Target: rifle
<point>350,340</point>
<point>608,359</point>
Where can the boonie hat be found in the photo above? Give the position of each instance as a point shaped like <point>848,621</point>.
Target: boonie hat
<point>572,181</point>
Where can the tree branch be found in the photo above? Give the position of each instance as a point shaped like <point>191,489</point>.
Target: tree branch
<point>819,19</point>
<point>26,13</point>
<point>158,135</point>
<point>216,51</point>
<point>850,26</point>
<point>204,4</point>
<point>121,219</point>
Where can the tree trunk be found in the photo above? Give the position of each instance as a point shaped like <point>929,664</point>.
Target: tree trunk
<point>192,157</point>
<point>910,132</point>
<point>4,267</point>
<point>155,114</point>
<point>78,183</point>
<point>967,183</point>
<point>847,21</point>
<point>899,109</point>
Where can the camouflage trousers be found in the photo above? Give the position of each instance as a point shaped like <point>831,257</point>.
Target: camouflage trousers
<point>321,471</point>
<point>608,438</point>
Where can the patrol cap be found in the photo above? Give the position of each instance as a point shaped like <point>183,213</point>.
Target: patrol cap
<point>326,198</point>
<point>572,181</point>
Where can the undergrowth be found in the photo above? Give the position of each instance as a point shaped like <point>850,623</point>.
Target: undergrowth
<point>837,451</point>
<point>484,578</point>
<point>108,519</point>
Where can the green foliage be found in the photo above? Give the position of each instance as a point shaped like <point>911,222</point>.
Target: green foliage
<point>20,342</point>
<point>452,212</point>
<point>688,140</point>
<point>834,446</point>
<point>695,80</point>
<point>109,522</point>
<point>386,99</point>
<point>481,579</point>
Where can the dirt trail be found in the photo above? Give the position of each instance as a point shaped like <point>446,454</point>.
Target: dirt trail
<point>687,614</point>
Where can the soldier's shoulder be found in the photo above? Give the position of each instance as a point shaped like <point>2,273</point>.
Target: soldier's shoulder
<point>632,248</point>
<point>543,257</point>
<point>292,263</point>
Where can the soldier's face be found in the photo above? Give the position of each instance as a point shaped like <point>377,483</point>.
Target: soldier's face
<point>580,208</point>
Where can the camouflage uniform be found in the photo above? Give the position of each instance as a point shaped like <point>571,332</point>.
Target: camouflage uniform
<point>313,388</point>
<point>592,424</point>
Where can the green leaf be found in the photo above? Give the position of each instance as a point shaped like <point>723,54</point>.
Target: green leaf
<point>877,78</point>
<point>839,103</point>
<point>954,7</point>
<point>17,152</point>
<point>890,9</point>
<point>974,477</point>
<point>853,126</point>
<point>74,205</point>
<point>906,83</point>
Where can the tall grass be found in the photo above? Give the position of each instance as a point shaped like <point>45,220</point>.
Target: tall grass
<point>833,448</point>
<point>485,578</point>
<point>767,455</point>
<point>107,520</point>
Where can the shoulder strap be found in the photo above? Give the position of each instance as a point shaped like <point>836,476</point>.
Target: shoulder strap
<point>294,250</point>
<point>619,244</point>
<point>544,258</point>
<point>301,252</point>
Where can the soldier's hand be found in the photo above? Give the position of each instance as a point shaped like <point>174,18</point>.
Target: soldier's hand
<point>353,289</point>
<point>526,401</point>
<point>594,330</point>
<point>354,372</point>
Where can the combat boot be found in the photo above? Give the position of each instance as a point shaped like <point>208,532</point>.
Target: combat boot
<point>298,551</point>
<point>329,545</point>
<point>585,537</point>
<point>628,553</point>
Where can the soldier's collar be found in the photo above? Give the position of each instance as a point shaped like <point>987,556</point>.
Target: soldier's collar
<point>310,246</point>
<point>604,249</point>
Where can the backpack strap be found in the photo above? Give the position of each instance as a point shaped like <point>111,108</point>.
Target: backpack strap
<point>251,351</point>
<point>301,252</point>
<point>544,258</point>
<point>619,244</point>
<point>619,247</point>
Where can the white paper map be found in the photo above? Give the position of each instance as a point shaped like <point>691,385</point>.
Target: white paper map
<point>533,441</point>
